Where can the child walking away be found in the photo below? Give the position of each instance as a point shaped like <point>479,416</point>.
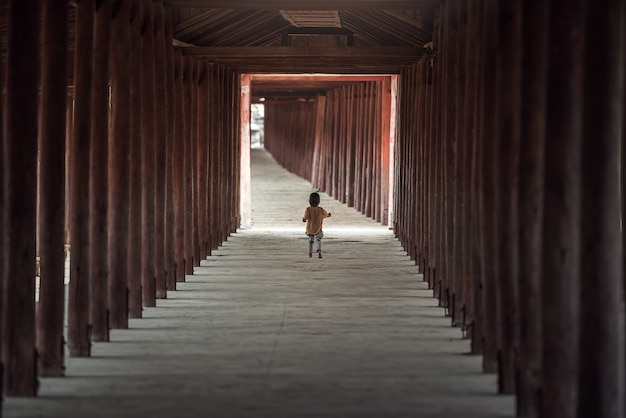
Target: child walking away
<point>314,216</point>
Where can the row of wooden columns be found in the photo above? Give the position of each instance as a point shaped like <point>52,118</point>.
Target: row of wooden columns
<point>509,152</point>
<point>340,142</point>
<point>152,143</point>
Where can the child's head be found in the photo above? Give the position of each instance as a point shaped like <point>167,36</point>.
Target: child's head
<point>314,199</point>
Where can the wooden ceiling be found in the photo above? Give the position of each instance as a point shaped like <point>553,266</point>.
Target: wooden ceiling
<point>356,37</point>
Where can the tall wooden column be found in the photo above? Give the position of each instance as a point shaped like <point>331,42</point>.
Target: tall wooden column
<point>194,159</point>
<point>507,133</point>
<point>50,312</point>
<point>3,219</point>
<point>213,154</point>
<point>561,252</point>
<point>601,376</point>
<point>160,139</point>
<point>135,296</point>
<point>202,157</point>
<point>20,196</point>
<point>533,123</point>
<point>170,252</point>
<point>178,171</point>
<point>98,166</point>
<point>78,307</point>
<point>188,81</point>
<point>120,141</point>
<point>476,235</point>
<point>148,157</point>
<point>489,191</point>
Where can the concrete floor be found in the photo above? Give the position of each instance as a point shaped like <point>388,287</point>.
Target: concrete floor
<point>261,330</point>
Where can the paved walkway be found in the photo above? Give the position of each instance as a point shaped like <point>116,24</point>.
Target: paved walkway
<point>261,330</point>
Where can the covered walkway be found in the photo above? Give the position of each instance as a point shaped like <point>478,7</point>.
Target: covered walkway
<point>261,330</point>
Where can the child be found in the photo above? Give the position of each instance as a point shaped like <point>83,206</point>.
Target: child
<point>314,216</point>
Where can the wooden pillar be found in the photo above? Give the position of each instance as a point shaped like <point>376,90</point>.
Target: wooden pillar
<point>531,171</point>
<point>459,226</point>
<point>478,232</point>
<point>170,257</point>
<point>212,115</point>
<point>51,308</point>
<point>375,172</point>
<point>3,227</point>
<point>449,144</point>
<point>160,139</point>
<point>188,92</point>
<point>601,361</point>
<point>120,143</point>
<point>386,144</point>
<point>178,168</point>
<point>202,158</point>
<point>194,159</point>
<point>507,134</point>
<point>561,253</point>
<point>134,250</point>
<point>78,306</point>
<point>201,128</point>
<point>489,117</point>
<point>469,252</point>
<point>98,166</point>
<point>148,157</point>
<point>20,198</point>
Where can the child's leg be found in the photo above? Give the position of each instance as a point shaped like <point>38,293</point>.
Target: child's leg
<point>311,239</point>
<point>318,241</point>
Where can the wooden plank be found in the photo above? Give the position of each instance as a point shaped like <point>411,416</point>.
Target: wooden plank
<point>295,52</point>
<point>50,311</point>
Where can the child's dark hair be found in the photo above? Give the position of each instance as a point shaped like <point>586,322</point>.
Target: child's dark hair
<point>314,199</point>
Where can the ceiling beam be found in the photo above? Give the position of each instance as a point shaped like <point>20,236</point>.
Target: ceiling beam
<point>299,52</point>
<point>313,5</point>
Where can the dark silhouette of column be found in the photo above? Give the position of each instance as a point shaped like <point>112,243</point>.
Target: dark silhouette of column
<point>133,282</point>
<point>51,308</point>
<point>98,166</point>
<point>148,157</point>
<point>561,252</point>
<point>78,307</point>
<point>120,143</point>
<point>19,155</point>
<point>601,370</point>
